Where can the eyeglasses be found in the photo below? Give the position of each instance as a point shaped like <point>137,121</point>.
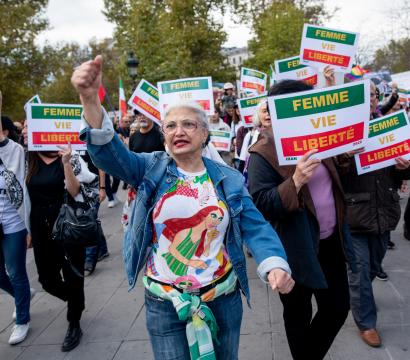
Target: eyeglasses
<point>186,125</point>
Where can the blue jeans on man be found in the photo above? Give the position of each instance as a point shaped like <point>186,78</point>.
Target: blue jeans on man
<point>13,274</point>
<point>370,251</point>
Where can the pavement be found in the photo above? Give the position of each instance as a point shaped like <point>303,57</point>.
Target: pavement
<point>114,320</point>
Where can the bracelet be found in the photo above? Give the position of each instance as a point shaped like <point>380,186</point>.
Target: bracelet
<point>102,187</point>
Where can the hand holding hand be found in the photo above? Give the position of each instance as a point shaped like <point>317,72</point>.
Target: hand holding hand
<point>304,169</point>
<point>280,280</point>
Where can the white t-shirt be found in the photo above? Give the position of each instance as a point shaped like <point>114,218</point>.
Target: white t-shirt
<point>190,224</point>
<point>9,217</point>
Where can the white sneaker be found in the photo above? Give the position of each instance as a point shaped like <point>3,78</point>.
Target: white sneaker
<point>32,293</point>
<point>19,333</point>
<point>111,204</point>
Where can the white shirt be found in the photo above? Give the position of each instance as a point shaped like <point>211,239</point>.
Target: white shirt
<point>9,217</point>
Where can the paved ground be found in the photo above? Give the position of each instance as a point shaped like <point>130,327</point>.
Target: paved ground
<point>114,321</point>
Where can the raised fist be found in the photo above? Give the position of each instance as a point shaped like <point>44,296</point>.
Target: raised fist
<point>86,78</point>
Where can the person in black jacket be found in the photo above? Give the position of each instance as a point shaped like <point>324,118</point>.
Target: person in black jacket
<point>373,212</point>
<point>305,204</point>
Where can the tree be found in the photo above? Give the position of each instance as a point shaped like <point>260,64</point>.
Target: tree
<point>278,26</point>
<point>171,38</point>
<point>23,67</point>
<point>395,56</point>
<point>68,56</point>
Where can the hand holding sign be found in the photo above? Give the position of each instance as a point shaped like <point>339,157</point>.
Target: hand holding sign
<point>305,168</point>
<point>65,153</point>
<point>87,79</point>
<point>402,163</point>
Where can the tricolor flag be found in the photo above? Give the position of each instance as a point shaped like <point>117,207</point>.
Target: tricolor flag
<point>122,107</point>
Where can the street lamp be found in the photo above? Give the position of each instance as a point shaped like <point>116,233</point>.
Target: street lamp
<point>132,66</point>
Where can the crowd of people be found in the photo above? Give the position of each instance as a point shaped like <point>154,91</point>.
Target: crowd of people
<point>193,216</point>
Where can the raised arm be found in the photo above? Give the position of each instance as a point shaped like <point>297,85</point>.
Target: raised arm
<point>105,148</point>
<point>86,80</point>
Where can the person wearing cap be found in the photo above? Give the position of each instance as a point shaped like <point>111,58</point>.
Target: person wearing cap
<point>228,98</point>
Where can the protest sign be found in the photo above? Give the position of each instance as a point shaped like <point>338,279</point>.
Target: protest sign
<point>221,139</point>
<point>197,90</point>
<point>34,100</point>
<point>247,107</point>
<point>333,120</point>
<point>404,96</point>
<point>323,46</point>
<point>253,81</point>
<point>145,99</point>
<point>389,138</point>
<point>51,125</point>
<point>292,69</point>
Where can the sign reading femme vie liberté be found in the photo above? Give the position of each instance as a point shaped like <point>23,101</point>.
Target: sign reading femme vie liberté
<point>333,120</point>
<point>323,46</point>
<point>292,69</point>
<point>253,81</point>
<point>53,125</point>
<point>220,139</point>
<point>197,90</point>
<point>145,99</point>
<point>247,108</point>
<point>389,138</point>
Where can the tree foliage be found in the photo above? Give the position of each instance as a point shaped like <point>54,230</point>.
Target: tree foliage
<point>395,56</point>
<point>278,26</point>
<point>171,38</point>
<point>23,67</point>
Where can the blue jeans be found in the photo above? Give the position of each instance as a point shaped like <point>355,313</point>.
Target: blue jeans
<point>167,332</point>
<point>369,251</point>
<point>13,250</point>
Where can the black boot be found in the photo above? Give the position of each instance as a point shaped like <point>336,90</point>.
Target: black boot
<point>72,337</point>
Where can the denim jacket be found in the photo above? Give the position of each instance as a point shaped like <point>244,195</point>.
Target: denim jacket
<point>153,175</point>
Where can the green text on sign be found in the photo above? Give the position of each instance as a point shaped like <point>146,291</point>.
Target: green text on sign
<point>379,127</point>
<point>290,65</point>
<point>245,103</point>
<point>150,90</point>
<point>185,85</point>
<point>56,112</point>
<point>254,73</point>
<point>330,35</point>
<point>319,102</point>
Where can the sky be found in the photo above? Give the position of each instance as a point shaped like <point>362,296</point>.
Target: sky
<point>80,20</point>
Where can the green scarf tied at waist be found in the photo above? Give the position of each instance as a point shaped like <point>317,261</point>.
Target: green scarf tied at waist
<point>201,328</point>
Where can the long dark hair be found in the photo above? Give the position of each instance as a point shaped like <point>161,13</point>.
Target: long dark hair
<point>33,165</point>
<point>7,124</point>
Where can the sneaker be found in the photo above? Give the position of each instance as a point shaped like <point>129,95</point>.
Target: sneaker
<point>19,333</point>
<point>391,245</point>
<point>103,256</point>
<point>32,293</point>
<point>111,204</point>
<point>72,337</point>
<point>381,275</point>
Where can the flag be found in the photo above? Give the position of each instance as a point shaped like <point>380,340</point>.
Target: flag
<point>356,73</point>
<point>102,93</point>
<point>271,76</point>
<point>122,107</point>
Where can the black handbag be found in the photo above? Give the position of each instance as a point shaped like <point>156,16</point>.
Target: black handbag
<point>77,224</point>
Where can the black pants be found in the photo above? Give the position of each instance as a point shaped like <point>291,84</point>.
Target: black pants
<point>310,338</point>
<point>55,273</point>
